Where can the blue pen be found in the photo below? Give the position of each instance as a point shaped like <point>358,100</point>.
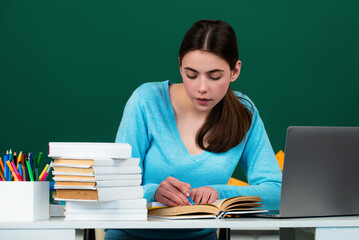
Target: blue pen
<point>190,200</point>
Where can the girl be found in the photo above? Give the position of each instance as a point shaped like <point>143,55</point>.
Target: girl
<point>191,136</point>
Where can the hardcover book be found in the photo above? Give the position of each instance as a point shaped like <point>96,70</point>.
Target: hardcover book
<point>86,150</point>
<point>219,209</point>
<point>100,194</point>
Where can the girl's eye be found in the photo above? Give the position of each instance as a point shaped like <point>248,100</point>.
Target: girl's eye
<point>192,76</point>
<point>215,78</point>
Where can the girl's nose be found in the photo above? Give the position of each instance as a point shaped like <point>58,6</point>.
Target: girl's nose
<point>203,85</point>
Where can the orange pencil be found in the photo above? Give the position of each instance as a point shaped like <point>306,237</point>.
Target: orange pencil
<point>2,176</point>
<point>12,170</point>
<point>16,171</point>
<point>14,177</point>
<point>2,165</point>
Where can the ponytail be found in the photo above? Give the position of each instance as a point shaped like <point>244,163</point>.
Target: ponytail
<point>226,125</point>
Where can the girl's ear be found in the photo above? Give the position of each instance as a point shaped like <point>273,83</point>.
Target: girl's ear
<point>236,71</point>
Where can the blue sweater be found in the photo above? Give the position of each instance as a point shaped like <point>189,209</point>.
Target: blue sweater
<point>148,124</point>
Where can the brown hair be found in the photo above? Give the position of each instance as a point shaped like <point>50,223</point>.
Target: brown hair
<point>228,122</point>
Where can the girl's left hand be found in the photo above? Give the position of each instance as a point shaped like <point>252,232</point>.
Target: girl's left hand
<point>203,195</point>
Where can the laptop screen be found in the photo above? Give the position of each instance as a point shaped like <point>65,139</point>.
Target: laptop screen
<point>320,174</point>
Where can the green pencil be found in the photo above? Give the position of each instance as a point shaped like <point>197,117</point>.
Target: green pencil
<point>37,174</point>
<point>30,171</point>
<point>38,159</point>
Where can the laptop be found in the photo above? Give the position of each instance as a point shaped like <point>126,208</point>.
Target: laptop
<point>320,173</point>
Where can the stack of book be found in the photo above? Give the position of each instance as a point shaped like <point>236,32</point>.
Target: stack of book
<point>98,181</point>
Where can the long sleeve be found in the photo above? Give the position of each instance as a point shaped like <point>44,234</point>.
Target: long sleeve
<point>134,130</point>
<point>260,165</point>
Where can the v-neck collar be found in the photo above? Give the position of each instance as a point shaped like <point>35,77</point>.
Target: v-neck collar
<point>174,128</point>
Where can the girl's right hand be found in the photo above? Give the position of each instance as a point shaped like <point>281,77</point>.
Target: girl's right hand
<point>172,192</point>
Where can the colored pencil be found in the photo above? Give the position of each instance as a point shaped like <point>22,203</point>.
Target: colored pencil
<point>19,157</point>
<point>43,171</point>
<point>12,170</point>
<point>6,172</point>
<point>31,162</point>
<point>47,172</point>
<point>2,176</point>
<point>24,170</point>
<point>16,172</point>
<point>39,159</point>
<point>44,177</point>
<point>20,171</point>
<point>18,160</point>
<point>29,171</point>
<point>36,177</point>
<point>15,160</point>
<point>2,165</point>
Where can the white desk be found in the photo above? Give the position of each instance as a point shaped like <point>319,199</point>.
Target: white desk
<point>328,228</point>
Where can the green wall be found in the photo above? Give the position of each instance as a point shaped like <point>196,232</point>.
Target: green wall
<point>68,67</point>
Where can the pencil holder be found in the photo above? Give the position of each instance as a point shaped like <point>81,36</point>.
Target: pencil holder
<point>24,201</point>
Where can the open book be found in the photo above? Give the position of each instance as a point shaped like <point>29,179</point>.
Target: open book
<point>219,209</point>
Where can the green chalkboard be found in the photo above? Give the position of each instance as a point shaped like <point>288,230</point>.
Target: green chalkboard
<point>68,67</point>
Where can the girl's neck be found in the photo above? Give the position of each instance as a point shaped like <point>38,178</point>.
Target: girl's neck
<point>182,104</point>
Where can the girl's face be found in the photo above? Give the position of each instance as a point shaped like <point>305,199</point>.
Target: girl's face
<point>206,78</point>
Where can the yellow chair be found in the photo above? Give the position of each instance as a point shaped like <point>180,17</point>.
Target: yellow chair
<point>237,182</point>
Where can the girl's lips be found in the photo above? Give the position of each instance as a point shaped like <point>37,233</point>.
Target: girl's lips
<point>202,101</point>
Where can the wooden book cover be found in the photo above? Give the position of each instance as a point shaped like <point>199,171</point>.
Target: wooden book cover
<point>219,209</point>
<point>100,194</point>
<point>60,183</point>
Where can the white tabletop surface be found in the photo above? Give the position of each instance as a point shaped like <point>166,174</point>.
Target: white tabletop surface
<point>237,223</point>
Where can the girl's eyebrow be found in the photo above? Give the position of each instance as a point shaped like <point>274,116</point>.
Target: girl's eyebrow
<point>212,71</point>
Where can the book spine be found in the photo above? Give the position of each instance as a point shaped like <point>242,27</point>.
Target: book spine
<point>106,211</point>
<point>117,170</point>
<point>89,150</point>
<point>119,204</point>
<point>109,194</point>
<point>95,217</point>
